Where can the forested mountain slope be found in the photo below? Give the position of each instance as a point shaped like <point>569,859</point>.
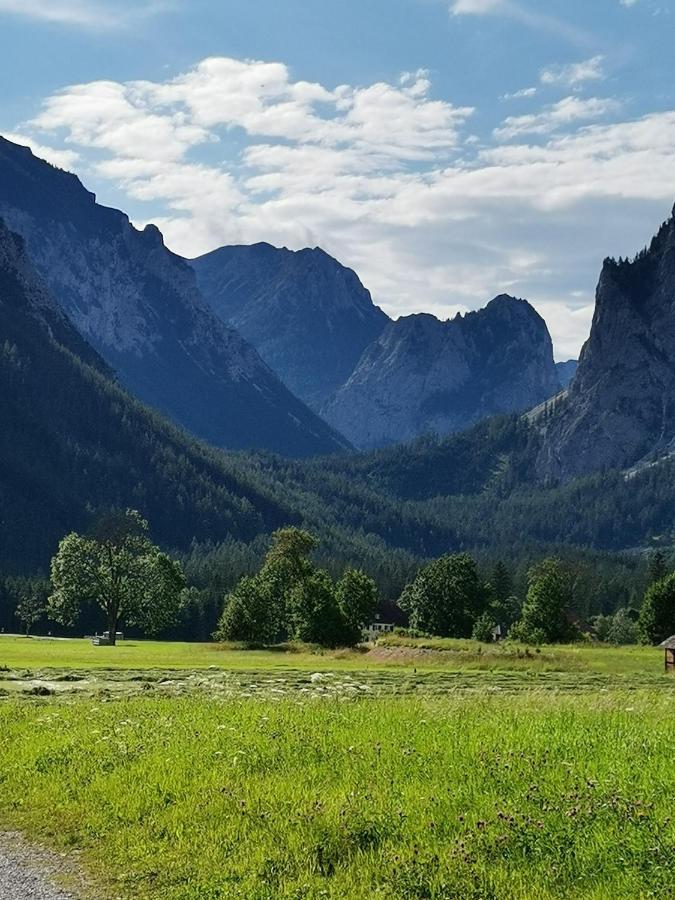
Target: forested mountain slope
<point>72,441</point>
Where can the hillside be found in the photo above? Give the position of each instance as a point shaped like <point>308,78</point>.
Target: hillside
<point>72,441</point>
<point>139,306</point>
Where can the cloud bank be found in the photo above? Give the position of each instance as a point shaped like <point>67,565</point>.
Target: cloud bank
<point>385,176</point>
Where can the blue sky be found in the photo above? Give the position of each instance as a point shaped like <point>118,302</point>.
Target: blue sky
<point>448,151</point>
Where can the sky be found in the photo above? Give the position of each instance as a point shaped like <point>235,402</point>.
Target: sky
<point>447,150</point>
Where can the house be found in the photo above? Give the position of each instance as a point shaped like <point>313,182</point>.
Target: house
<point>377,628</point>
<point>669,646</point>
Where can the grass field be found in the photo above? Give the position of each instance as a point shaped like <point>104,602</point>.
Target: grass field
<point>40,653</point>
<point>351,776</point>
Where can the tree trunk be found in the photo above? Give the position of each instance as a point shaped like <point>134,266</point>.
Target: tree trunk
<point>112,629</point>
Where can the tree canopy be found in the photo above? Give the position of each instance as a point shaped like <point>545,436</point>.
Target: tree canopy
<point>446,597</point>
<point>657,615</point>
<point>120,570</point>
<point>545,616</point>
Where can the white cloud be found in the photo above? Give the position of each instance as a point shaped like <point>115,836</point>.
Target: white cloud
<point>557,115</point>
<point>522,13</point>
<point>575,74</point>
<point>477,7</point>
<point>383,176</point>
<point>523,94</point>
<point>82,13</point>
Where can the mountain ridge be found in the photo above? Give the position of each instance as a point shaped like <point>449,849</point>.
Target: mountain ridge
<point>138,304</point>
<point>424,375</point>
<point>309,317</point>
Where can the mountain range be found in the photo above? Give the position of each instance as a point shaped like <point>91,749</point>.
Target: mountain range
<point>309,317</point>
<point>139,306</point>
<point>591,468</point>
<point>375,380</point>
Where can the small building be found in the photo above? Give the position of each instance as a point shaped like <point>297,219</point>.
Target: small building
<point>498,633</point>
<point>376,629</point>
<point>669,646</point>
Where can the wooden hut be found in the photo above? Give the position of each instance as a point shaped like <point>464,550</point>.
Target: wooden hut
<point>669,646</point>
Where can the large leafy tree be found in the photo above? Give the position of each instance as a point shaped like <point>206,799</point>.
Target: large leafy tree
<point>657,615</point>
<point>249,614</point>
<point>258,609</point>
<point>287,565</point>
<point>357,599</point>
<point>118,568</point>
<point>446,597</point>
<point>545,616</point>
<point>314,613</point>
<point>290,597</point>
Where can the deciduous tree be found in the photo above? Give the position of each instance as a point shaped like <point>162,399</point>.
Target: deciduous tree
<point>657,615</point>
<point>357,599</point>
<point>446,597</point>
<point>545,616</point>
<point>120,570</point>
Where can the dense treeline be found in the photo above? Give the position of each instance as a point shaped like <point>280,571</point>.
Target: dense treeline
<point>291,598</point>
<point>276,589</point>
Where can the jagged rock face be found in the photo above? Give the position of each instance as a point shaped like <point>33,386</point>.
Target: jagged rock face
<point>25,298</point>
<point>620,408</point>
<point>138,304</point>
<point>566,371</point>
<point>423,375</point>
<point>309,317</point>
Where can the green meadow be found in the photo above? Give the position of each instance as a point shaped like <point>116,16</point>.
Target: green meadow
<point>192,772</point>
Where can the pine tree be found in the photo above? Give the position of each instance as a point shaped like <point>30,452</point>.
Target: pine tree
<point>657,566</point>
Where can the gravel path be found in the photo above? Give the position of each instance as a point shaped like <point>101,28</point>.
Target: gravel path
<point>31,873</point>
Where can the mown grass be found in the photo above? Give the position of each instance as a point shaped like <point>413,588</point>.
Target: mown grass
<point>391,652</point>
<point>537,796</point>
<point>40,653</point>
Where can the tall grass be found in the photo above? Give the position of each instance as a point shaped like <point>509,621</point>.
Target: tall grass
<point>535,796</point>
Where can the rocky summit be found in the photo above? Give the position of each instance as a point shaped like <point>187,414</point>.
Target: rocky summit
<point>139,306</point>
<point>620,410</point>
<point>423,375</point>
<point>309,317</point>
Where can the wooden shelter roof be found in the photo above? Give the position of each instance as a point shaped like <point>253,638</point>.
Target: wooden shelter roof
<point>669,643</point>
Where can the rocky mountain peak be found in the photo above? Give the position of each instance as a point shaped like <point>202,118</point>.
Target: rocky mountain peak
<point>139,305</point>
<point>424,375</point>
<point>621,403</point>
<point>309,317</point>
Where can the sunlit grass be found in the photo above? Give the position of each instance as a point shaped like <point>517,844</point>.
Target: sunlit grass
<point>391,652</point>
<point>536,796</point>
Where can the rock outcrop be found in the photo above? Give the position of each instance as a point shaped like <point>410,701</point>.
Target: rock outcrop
<point>620,409</point>
<point>309,317</point>
<point>566,371</point>
<point>423,375</point>
<point>139,306</point>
